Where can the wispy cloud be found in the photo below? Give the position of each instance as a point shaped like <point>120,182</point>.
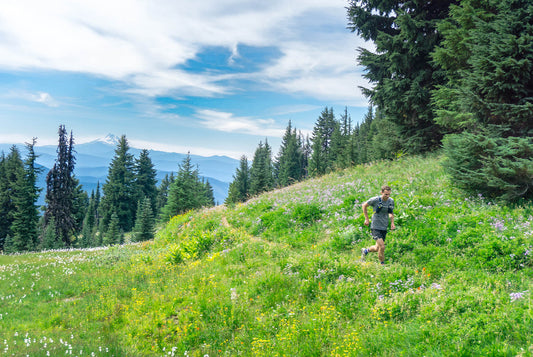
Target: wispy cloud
<point>36,97</point>
<point>227,122</point>
<point>143,43</point>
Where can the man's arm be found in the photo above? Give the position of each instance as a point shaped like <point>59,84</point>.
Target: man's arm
<point>365,212</point>
<point>391,217</point>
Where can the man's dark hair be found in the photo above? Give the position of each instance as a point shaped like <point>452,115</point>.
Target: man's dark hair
<point>385,188</point>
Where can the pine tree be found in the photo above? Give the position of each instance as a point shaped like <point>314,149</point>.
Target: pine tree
<point>401,70</point>
<point>60,190</point>
<point>261,172</point>
<point>113,233</point>
<point>162,192</point>
<point>487,100</point>
<point>145,179</point>
<point>26,214</point>
<point>345,156</point>
<point>239,188</point>
<point>11,171</point>
<point>289,162</point>
<point>50,239</point>
<point>186,192</point>
<point>119,189</point>
<point>321,160</point>
<point>208,194</point>
<point>145,222</point>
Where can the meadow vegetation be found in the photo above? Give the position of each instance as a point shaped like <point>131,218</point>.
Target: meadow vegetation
<point>281,275</point>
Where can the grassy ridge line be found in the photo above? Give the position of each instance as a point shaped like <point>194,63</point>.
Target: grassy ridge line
<point>282,277</point>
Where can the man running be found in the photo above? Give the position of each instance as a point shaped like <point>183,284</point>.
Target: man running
<point>383,207</point>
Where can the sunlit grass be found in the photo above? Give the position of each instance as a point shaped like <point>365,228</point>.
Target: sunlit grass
<point>281,276</point>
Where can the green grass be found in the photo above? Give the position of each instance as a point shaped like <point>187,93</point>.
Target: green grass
<point>281,276</point>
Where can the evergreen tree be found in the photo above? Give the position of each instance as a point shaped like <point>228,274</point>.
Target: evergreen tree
<point>187,192</point>
<point>261,172</point>
<point>208,194</point>
<point>145,179</point>
<point>290,159</point>
<point>11,171</point>
<point>26,214</point>
<point>487,99</point>
<point>162,192</point>
<point>50,239</point>
<point>345,155</point>
<point>60,190</point>
<point>321,160</point>
<point>145,222</point>
<point>113,233</point>
<point>401,70</point>
<point>239,188</point>
<point>120,195</point>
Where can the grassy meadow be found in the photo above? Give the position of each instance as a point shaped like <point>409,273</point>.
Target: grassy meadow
<point>281,275</point>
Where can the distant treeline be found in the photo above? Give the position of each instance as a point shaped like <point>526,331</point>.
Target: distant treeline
<point>128,202</point>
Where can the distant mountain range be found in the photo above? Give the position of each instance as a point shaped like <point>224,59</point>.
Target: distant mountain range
<point>93,159</point>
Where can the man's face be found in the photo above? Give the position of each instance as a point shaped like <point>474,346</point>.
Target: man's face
<point>385,195</point>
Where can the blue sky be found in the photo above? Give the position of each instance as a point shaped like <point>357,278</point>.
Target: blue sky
<point>213,77</point>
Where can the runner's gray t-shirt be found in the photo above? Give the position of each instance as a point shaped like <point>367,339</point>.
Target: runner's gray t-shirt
<point>380,220</point>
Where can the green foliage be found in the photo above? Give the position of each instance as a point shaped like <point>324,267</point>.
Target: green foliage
<point>261,172</point>
<point>145,221</point>
<point>401,69</point>
<point>145,179</point>
<point>187,192</point>
<point>487,57</point>
<point>62,190</point>
<point>239,188</point>
<point>322,157</point>
<point>120,192</point>
<point>492,165</point>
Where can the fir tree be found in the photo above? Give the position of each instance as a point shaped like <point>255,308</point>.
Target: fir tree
<point>26,215</point>
<point>145,179</point>
<point>290,158</point>
<point>145,222</point>
<point>113,233</point>
<point>321,160</point>
<point>261,172</point>
<point>487,100</point>
<point>186,192</point>
<point>208,194</point>
<point>239,188</point>
<point>162,192</point>
<point>401,70</point>
<point>119,189</point>
<point>11,171</point>
<point>60,190</point>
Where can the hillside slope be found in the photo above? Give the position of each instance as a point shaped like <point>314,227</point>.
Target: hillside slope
<point>281,275</point>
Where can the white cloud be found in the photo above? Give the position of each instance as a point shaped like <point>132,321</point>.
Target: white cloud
<point>143,42</point>
<point>37,97</point>
<point>227,122</point>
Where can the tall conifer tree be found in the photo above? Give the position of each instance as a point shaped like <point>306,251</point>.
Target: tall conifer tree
<point>13,173</point>
<point>401,70</point>
<point>60,190</point>
<point>321,161</point>
<point>239,188</point>
<point>145,179</point>
<point>120,195</point>
<point>26,215</point>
